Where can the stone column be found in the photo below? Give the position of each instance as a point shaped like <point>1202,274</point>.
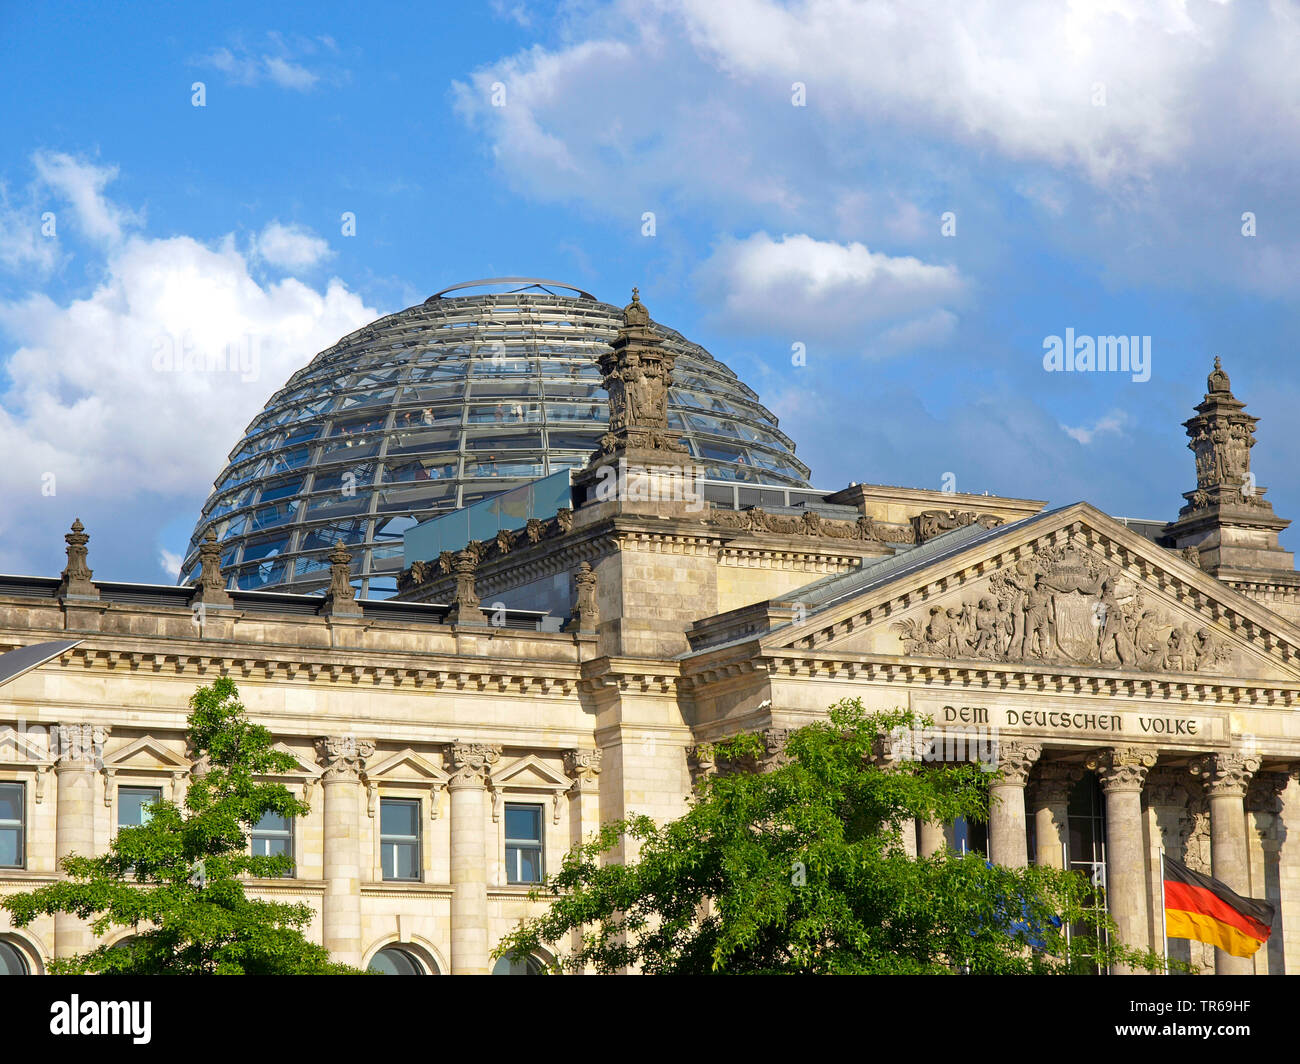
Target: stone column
<point>471,765</point>
<point>583,767</point>
<point>1123,771</point>
<point>1225,776</point>
<point>344,760</point>
<point>1008,843</point>
<point>933,838</point>
<point>79,753</point>
<point>887,755</point>
<point>1049,797</point>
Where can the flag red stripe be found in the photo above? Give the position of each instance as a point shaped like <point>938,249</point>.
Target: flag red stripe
<point>1189,898</point>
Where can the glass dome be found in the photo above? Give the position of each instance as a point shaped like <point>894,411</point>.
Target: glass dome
<point>430,409</point>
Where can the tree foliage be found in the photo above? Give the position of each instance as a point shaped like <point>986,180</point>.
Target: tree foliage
<point>177,880</point>
<point>801,869</point>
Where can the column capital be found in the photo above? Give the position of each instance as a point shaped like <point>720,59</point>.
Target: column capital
<point>343,757</point>
<point>1225,774</point>
<point>583,767</point>
<point>1015,759</point>
<point>471,763</point>
<point>1053,782</point>
<point>77,747</point>
<point>1122,768</point>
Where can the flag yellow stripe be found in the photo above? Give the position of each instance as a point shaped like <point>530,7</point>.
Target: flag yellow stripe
<point>1201,928</point>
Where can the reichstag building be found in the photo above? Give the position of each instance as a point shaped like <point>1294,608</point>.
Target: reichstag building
<point>503,566</point>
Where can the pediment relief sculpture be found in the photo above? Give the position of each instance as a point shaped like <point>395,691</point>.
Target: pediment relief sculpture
<point>1063,605</point>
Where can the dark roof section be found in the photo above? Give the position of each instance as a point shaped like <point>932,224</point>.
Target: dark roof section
<point>148,596</point>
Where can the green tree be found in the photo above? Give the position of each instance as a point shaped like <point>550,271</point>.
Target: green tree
<point>801,870</point>
<point>176,879</point>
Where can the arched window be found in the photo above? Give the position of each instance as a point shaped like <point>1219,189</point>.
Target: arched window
<point>12,961</point>
<point>396,961</point>
<point>522,966</point>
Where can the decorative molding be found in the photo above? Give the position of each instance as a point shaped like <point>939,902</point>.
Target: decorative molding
<point>343,757</point>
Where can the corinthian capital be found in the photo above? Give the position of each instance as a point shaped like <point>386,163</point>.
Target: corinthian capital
<point>1015,759</point>
<point>343,756</point>
<point>1225,774</point>
<point>1122,768</point>
<point>583,766</point>
<point>471,763</point>
<point>78,746</point>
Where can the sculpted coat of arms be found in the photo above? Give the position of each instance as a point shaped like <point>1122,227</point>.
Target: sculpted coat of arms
<point>1064,606</point>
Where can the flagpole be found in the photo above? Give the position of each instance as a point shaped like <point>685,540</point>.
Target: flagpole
<point>1065,864</point>
<point>1164,923</point>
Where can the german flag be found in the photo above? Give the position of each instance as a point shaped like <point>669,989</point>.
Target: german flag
<point>1205,910</point>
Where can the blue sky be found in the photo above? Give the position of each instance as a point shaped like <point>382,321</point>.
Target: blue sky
<point>1097,157</point>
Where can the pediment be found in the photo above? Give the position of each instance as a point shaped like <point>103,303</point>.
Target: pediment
<point>19,748</point>
<point>146,754</point>
<point>531,773</point>
<point>408,767</point>
<point>302,766</point>
<point>1070,588</point>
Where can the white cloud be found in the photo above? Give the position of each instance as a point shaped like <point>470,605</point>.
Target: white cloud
<point>170,563</point>
<point>1114,423</point>
<point>23,247</point>
<point>276,60</point>
<point>808,289</point>
<point>137,390</point>
<point>291,247</point>
<point>82,184</point>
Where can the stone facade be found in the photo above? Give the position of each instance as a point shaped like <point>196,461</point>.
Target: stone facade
<point>1083,649</point>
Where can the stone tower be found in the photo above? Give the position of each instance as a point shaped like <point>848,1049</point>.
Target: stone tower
<point>1226,519</point>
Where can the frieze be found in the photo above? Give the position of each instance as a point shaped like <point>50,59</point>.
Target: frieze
<point>1107,724</point>
<point>1063,605</point>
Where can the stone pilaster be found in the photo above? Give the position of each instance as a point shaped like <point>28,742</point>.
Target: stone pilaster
<point>1289,871</point>
<point>471,767</point>
<point>1225,776</point>
<point>1266,833</point>
<point>343,758</point>
<point>78,756</point>
<point>1008,842</point>
<point>583,767</point>
<point>1049,797</point>
<point>1122,771</point>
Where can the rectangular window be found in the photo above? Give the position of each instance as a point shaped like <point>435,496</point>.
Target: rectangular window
<point>273,837</point>
<point>399,838</point>
<point>523,843</point>
<point>131,802</point>
<point>13,843</point>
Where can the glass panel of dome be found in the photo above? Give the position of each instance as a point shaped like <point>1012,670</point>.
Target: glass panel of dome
<point>443,370</point>
<point>436,393</point>
<point>504,367</point>
<point>318,563</point>
<point>270,516</point>
<point>344,478</point>
<point>381,587</point>
<point>393,528</point>
<point>332,505</point>
<point>418,496</point>
<point>504,413</point>
<point>576,412</point>
<point>283,461</point>
<point>501,441</point>
<point>506,389</point>
<point>302,433</point>
<point>332,534</point>
<point>259,576</point>
<point>231,502</point>
<point>406,442</point>
<point>400,472</point>
<point>359,399</point>
<point>568,440</point>
<point>281,489</point>
<point>264,548</point>
<point>491,467</point>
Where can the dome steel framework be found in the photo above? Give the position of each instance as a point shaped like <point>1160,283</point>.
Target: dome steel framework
<point>430,409</point>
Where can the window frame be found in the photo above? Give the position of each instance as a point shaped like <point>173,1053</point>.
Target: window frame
<point>539,844</point>
<point>21,824</point>
<point>292,835</point>
<point>418,838</point>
